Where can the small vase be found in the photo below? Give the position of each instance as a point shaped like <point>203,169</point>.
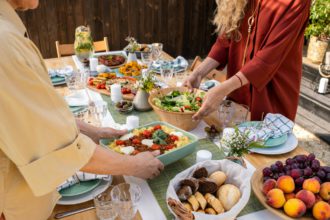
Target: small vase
<point>140,101</point>
<point>131,57</point>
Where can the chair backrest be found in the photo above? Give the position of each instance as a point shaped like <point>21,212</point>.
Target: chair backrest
<point>214,74</point>
<point>68,49</point>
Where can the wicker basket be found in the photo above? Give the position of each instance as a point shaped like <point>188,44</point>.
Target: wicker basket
<point>181,120</point>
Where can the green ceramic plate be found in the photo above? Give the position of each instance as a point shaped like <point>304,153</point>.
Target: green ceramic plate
<point>173,155</point>
<point>77,109</point>
<point>57,80</point>
<point>271,142</point>
<point>80,188</point>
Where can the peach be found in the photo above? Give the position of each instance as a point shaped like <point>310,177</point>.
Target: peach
<point>295,208</point>
<point>307,197</point>
<point>268,185</point>
<point>321,210</point>
<point>286,184</point>
<point>312,185</point>
<point>275,198</point>
<point>325,191</point>
<point>289,196</point>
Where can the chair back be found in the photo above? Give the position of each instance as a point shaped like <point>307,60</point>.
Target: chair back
<point>68,49</point>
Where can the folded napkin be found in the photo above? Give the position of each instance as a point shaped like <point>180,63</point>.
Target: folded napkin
<point>179,64</point>
<point>81,177</point>
<point>61,72</point>
<point>273,126</point>
<point>77,99</point>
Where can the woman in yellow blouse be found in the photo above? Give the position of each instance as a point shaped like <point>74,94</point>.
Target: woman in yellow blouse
<point>40,142</point>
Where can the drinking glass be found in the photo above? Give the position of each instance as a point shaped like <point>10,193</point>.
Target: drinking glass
<point>126,196</point>
<point>101,110</point>
<point>105,206</point>
<point>241,114</point>
<point>77,81</point>
<point>166,71</point>
<point>226,112</point>
<point>156,50</point>
<point>146,58</point>
<point>181,76</point>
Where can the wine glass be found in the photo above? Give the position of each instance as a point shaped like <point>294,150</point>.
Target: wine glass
<point>105,206</point>
<point>156,50</point>
<point>127,196</point>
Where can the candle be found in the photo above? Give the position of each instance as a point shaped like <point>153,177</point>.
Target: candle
<point>93,62</point>
<point>327,59</point>
<point>116,95</point>
<point>323,86</point>
<point>203,155</point>
<point>132,122</point>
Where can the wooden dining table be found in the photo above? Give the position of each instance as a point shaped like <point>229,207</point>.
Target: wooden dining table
<point>257,160</point>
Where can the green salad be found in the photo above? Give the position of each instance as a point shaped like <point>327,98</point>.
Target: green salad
<point>177,101</point>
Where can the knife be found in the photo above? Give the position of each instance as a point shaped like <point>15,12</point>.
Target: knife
<point>72,212</point>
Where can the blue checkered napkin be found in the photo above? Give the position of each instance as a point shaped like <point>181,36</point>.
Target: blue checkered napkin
<point>273,126</point>
<point>61,72</point>
<point>81,177</point>
<point>179,64</point>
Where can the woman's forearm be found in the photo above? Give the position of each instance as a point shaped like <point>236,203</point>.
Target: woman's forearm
<point>206,66</point>
<point>89,130</point>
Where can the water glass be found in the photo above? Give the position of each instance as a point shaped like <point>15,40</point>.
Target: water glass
<point>156,50</point>
<point>180,77</point>
<point>126,196</point>
<point>241,114</point>
<point>101,110</point>
<point>226,112</point>
<point>166,71</point>
<point>105,207</point>
<point>78,80</point>
<point>146,58</point>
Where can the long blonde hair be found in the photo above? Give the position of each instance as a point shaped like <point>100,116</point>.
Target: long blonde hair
<point>228,17</point>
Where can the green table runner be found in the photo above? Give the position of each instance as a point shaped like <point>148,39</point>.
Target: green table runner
<point>159,185</point>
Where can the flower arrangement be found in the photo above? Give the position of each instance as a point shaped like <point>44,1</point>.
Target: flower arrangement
<point>147,82</point>
<point>132,44</point>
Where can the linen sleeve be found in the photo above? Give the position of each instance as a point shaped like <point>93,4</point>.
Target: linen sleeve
<point>265,63</point>
<point>219,52</point>
<point>38,132</point>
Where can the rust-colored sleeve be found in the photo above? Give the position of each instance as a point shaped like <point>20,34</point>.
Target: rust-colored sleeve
<point>219,52</point>
<point>265,63</point>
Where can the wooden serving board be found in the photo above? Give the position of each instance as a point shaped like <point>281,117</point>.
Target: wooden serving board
<point>129,97</point>
<point>257,185</point>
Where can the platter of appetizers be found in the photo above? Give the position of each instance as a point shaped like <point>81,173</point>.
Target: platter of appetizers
<point>103,81</point>
<point>113,59</point>
<point>214,189</point>
<point>173,143</point>
<point>298,187</point>
<point>132,69</point>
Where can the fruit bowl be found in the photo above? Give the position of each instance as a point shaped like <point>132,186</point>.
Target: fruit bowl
<point>290,189</point>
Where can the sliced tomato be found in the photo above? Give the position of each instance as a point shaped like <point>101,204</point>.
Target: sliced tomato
<point>102,86</point>
<point>169,147</point>
<point>120,142</point>
<point>187,107</point>
<point>157,127</point>
<point>91,83</point>
<point>136,141</point>
<point>174,138</point>
<point>155,147</point>
<point>135,152</point>
<point>147,133</point>
<point>91,79</point>
<point>99,86</point>
<point>199,99</point>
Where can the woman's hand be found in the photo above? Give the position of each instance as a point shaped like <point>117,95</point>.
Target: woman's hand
<point>193,81</point>
<point>211,102</point>
<point>145,165</point>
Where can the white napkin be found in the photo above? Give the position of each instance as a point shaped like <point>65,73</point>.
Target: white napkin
<point>77,99</point>
<point>273,126</point>
<point>81,177</point>
<point>62,72</point>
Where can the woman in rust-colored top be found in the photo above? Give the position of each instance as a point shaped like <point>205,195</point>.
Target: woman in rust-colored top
<point>264,66</point>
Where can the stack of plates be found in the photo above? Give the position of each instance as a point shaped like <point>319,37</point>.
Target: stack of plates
<point>274,146</point>
<point>83,191</point>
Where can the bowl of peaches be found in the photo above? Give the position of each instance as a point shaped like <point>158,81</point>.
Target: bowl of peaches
<point>298,187</point>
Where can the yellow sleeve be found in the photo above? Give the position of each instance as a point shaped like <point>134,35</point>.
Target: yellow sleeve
<point>38,132</point>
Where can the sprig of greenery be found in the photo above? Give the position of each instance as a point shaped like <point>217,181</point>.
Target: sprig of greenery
<point>147,83</point>
<point>319,20</point>
<point>132,44</point>
<point>240,144</point>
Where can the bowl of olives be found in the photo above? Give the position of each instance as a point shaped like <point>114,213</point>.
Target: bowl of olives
<point>124,106</point>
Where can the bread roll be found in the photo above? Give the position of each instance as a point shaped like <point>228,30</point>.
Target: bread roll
<point>207,185</point>
<point>228,195</point>
<point>193,202</point>
<point>187,206</point>
<point>219,177</point>
<point>210,211</point>
<point>201,200</point>
<point>184,193</point>
<point>200,172</point>
<point>214,203</point>
<point>192,182</point>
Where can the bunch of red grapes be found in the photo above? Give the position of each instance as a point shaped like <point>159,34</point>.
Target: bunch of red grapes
<point>300,167</point>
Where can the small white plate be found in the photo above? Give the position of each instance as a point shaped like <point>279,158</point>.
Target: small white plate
<point>288,146</point>
<point>73,200</point>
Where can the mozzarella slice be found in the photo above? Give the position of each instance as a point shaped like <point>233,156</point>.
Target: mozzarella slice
<point>126,136</point>
<point>148,142</point>
<point>127,150</point>
<point>177,133</point>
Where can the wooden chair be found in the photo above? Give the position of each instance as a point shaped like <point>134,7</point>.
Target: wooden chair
<point>68,49</point>
<point>214,74</point>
